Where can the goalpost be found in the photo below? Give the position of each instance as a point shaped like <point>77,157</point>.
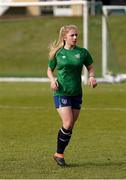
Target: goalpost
<point>105,40</point>
<point>84,4</point>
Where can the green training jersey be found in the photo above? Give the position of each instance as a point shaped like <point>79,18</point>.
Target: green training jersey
<point>69,64</point>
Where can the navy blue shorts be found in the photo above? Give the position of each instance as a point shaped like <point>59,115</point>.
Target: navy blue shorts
<point>68,101</point>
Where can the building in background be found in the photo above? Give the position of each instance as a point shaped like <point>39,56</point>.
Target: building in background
<point>33,11</point>
<point>95,7</point>
<point>73,10</point>
<point>5,8</point>
<point>114,2</point>
<point>66,10</point>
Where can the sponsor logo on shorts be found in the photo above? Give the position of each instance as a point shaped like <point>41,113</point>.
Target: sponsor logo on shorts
<point>64,101</point>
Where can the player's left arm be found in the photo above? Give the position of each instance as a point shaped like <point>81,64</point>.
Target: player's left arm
<point>91,81</point>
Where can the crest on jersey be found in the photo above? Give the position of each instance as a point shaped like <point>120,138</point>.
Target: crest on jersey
<point>63,57</point>
<point>77,56</point>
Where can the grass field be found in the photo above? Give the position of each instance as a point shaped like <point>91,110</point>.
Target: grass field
<point>29,125</point>
<point>24,43</point>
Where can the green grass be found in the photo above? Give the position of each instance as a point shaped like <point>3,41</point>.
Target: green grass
<point>24,43</point>
<point>29,125</point>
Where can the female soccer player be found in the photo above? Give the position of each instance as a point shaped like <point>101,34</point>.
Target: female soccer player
<point>68,59</point>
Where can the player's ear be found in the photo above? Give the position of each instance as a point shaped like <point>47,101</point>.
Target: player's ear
<point>64,38</point>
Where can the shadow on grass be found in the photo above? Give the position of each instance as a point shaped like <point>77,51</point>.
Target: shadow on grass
<point>97,164</point>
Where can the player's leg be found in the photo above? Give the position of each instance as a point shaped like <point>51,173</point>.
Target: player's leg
<point>68,117</point>
<point>76,103</point>
<point>64,133</point>
<point>68,109</point>
<point>75,113</point>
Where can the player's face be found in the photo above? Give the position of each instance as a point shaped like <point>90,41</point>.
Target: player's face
<point>71,38</point>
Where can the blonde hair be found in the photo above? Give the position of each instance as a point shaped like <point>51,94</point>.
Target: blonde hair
<point>56,45</point>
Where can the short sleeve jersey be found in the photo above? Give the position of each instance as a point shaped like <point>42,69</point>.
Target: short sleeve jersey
<point>69,64</point>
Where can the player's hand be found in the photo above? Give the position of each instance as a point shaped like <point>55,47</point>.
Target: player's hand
<point>54,85</point>
<point>92,82</point>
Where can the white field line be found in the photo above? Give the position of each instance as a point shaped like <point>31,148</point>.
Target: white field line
<point>19,79</point>
<point>21,107</point>
<point>108,79</point>
<point>104,109</point>
<point>42,107</point>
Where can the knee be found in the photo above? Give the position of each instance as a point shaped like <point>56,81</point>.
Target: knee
<point>68,125</point>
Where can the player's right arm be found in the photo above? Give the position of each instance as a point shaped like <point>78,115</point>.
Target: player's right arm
<point>54,83</point>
